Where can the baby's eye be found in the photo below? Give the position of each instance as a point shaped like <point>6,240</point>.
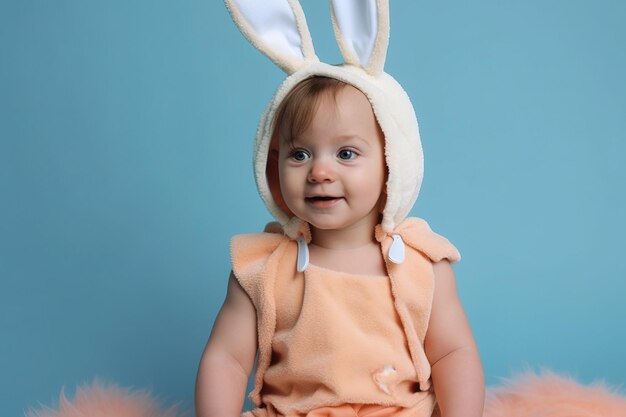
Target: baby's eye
<point>346,154</point>
<point>300,155</point>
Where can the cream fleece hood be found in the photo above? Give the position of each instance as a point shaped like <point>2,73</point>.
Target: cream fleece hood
<point>279,30</point>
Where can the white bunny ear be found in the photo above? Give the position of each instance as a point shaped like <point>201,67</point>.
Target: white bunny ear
<point>277,28</point>
<point>362,31</point>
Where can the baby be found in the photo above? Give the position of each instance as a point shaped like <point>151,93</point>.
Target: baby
<point>349,307</point>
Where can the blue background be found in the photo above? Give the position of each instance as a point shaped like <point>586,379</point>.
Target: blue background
<point>125,166</point>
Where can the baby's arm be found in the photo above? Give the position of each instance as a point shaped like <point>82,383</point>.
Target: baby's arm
<point>457,373</point>
<point>228,358</point>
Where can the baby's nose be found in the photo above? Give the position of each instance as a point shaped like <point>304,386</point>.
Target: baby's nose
<point>321,171</point>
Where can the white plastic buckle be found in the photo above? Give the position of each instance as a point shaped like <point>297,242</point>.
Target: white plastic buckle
<point>396,251</point>
<point>303,254</point>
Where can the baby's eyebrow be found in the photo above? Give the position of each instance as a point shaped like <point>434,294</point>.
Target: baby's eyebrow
<point>338,140</point>
<point>292,143</point>
<point>348,138</point>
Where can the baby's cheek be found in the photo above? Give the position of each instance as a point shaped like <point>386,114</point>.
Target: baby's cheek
<point>296,193</point>
<point>371,190</point>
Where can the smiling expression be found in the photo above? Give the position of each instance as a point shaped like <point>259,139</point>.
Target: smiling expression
<point>332,175</point>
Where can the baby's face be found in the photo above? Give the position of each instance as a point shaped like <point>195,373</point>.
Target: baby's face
<point>332,176</point>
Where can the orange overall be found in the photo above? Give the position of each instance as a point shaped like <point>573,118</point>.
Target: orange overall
<point>338,344</point>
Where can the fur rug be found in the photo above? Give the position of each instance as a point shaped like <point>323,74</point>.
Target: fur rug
<point>527,395</point>
<point>551,395</point>
<point>101,400</point>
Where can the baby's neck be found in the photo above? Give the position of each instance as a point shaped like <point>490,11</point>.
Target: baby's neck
<point>353,237</point>
<point>363,260</point>
<point>355,251</point>
<point>341,240</point>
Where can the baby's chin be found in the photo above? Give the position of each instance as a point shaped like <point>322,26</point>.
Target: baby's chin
<point>334,225</point>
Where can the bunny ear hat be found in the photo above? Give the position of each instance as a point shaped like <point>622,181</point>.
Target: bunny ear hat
<point>278,29</point>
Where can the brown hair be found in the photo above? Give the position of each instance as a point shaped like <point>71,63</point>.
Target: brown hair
<point>295,113</point>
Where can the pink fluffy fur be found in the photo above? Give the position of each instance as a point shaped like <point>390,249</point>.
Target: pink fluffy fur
<point>100,400</point>
<point>551,395</point>
<point>527,395</point>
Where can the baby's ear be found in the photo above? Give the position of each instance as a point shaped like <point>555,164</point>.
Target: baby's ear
<point>362,32</point>
<point>277,28</point>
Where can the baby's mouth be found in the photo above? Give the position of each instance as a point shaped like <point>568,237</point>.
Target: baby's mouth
<point>322,201</point>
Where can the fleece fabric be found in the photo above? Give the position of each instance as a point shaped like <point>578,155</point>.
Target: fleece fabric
<point>328,338</point>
